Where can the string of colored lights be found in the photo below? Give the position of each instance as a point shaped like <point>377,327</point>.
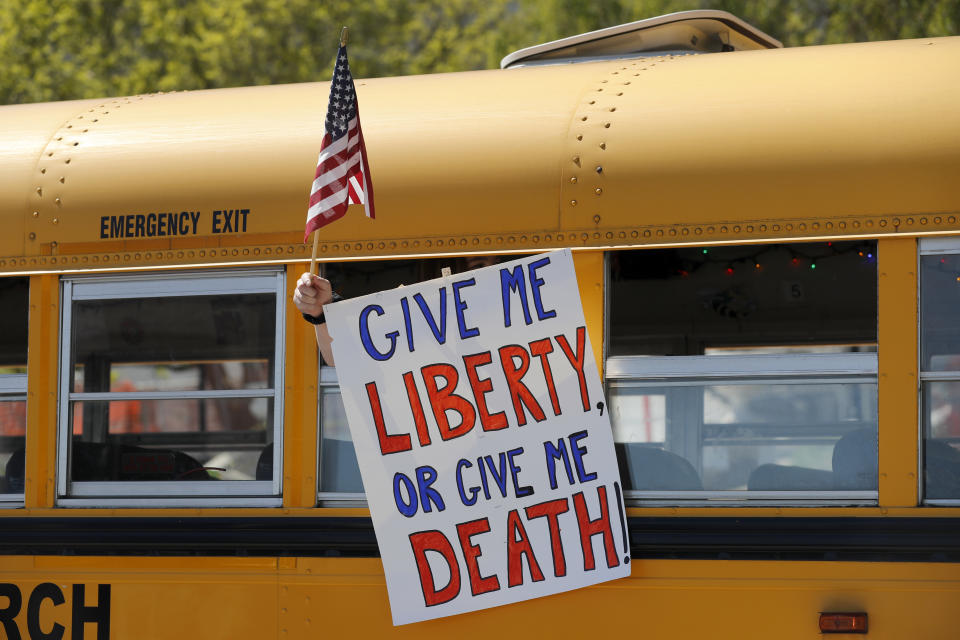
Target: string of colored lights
<point>796,256</point>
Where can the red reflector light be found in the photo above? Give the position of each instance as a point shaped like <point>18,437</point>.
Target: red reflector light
<point>843,623</point>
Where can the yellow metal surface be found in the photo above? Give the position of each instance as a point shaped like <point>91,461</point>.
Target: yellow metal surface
<point>773,141</point>
<point>156,597</point>
<point>300,405</point>
<point>25,132</point>
<point>662,599</point>
<point>42,367</point>
<point>213,598</point>
<point>589,266</point>
<point>897,383</point>
<point>741,146</point>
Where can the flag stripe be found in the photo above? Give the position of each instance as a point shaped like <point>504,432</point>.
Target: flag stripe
<point>337,174</point>
<point>343,144</point>
<point>356,191</point>
<point>367,187</point>
<point>331,202</point>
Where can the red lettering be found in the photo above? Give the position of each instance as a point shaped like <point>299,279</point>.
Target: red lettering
<point>590,528</point>
<point>389,443</point>
<point>518,545</point>
<point>519,392</point>
<point>444,399</point>
<point>577,361</point>
<point>478,584</point>
<point>424,541</point>
<point>541,348</point>
<point>480,389</point>
<point>416,408</point>
<point>551,509</point>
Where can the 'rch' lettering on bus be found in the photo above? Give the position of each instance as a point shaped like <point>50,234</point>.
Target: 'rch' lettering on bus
<point>80,612</point>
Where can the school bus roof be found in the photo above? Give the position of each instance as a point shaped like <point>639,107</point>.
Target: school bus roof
<point>805,142</point>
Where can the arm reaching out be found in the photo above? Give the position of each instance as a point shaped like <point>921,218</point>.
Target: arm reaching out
<point>311,294</point>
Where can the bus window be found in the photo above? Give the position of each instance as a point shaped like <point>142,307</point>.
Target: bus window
<point>339,471</point>
<point>940,369</point>
<point>339,476</point>
<point>14,300</point>
<point>172,386</point>
<point>745,372</point>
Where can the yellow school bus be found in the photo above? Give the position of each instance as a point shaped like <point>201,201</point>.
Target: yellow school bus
<point>767,248</point>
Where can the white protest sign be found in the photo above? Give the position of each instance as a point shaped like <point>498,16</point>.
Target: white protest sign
<point>483,439</point>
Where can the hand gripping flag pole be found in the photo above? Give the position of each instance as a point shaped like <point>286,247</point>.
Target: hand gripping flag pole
<point>343,173</point>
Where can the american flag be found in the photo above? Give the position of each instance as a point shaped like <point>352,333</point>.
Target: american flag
<point>343,175</point>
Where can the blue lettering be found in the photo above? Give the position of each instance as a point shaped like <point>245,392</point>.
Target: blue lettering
<point>501,477</point>
<point>162,224</point>
<point>195,219</point>
<point>514,282</point>
<point>518,491</point>
<point>244,213</point>
<point>483,478</point>
<point>407,507</point>
<point>405,308</point>
<point>103,226</point>
<point>426,476</point>
<point>578,453</point>
<point>440,333</point>
<point>216,221</point>
<point>116,226</point>
<point>365,334</point>
<point>460,305</point>
<point>535,284</point>
<point>472,500</point>
<point>151,224</point>
<point>554,453</point>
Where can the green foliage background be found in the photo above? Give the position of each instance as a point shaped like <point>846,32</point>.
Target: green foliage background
<point>65,49</point>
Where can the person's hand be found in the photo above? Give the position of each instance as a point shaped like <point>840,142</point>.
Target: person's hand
<point>312,293</point>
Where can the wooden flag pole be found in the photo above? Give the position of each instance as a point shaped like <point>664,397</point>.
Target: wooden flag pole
<point>316,232</point>
<point>313,257</point>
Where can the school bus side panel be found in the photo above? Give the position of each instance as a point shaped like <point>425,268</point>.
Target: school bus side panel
<point>663,598</point>
<point>213,598</point>
<point>146,598</point>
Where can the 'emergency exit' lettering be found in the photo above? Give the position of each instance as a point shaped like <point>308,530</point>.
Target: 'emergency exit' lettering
<point>173,224</point>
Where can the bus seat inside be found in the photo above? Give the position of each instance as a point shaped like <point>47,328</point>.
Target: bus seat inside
<point>265,463</point>
<point>99,462</point>
<point>854,468</point>
<point>338,464</point>
<point>942,470</point>
<point>855,461</point>
<point>645,468</point>
<point>13,475</point>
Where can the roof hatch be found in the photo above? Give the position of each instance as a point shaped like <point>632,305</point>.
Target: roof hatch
<point>701,31</point>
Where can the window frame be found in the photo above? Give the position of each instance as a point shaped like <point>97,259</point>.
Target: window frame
<point>222,493</point>
<point>13,388</point>
<point>929,247</point>
<point>802,368</point>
